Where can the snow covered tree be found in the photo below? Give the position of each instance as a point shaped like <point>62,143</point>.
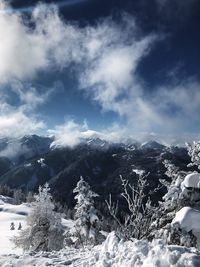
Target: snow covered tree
<point>44,229</point>
<point>18,196</point>
<point>194,153</point>
<point>30,197</point>
<point>173,200</point>
<point>86,219</point>
<point>6,191</point>
<point>181,203</point>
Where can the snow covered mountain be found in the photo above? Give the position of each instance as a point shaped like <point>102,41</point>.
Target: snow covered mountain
<point>152,145</point>
<point>98,161</point>
<point>19,149</point>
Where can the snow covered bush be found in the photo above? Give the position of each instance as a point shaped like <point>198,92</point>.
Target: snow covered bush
<point>86,219</point>
<point>44,230</point>
<point>139,223</point>
<point>181,204</point>
<point>188,217</point>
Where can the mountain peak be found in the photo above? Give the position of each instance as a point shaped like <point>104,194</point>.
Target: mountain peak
<point>152,144</point>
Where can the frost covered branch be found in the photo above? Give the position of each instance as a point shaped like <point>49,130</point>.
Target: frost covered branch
<point>141,213</point>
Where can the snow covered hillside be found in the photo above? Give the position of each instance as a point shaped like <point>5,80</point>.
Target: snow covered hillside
<point>113,252</point>
<point>10,214</point>
<point>15,214</point>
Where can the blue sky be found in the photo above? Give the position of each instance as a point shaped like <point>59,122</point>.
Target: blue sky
<point>113,68</point>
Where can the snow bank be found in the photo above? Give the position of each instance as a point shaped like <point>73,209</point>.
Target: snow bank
<point>11,214</point>
<point>22,209</point>
<point>112,253</point>
<point>188,219</point>
<point>4,199</point>
<point>111,243</point>
<point>15,214</point>
<point>192,180</point>
<point>141,253</point>
<point>6,246</point>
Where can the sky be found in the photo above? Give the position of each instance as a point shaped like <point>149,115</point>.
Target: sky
<point>114,69</point>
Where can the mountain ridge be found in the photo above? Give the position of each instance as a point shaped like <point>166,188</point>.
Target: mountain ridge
<point>98,161</point>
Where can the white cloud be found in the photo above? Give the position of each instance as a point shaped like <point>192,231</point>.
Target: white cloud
<point>16,124</point>
<point>106,59</point>
<point>69,134</point>
<point>105,56</point>
<point>25,50</point>
<point>21,52</point>
<point>19,119</point>
<point>29,96</point>
<point>111,79</point>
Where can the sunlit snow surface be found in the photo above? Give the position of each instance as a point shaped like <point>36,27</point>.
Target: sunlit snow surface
<point>112,253</point>
<point>10,213</point>
<point>192,180</point>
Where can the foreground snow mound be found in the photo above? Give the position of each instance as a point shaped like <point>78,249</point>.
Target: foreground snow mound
<point>112,253</point>
<point>4,199</point>
<point>188,219</point>
<point>192,180</point>
<point>117,253</point>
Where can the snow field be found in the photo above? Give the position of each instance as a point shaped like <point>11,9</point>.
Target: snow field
<point>112,253</point>
<point>11,213</point>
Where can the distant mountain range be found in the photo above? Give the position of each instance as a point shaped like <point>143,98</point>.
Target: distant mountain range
<point>33,160</point>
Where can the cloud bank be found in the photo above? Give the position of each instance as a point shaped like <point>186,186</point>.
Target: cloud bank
<point>72,133</point>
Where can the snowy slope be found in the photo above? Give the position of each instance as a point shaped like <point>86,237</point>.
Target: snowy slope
<point>16,214</point>
<point>11,213</point>
<point>112,253</point>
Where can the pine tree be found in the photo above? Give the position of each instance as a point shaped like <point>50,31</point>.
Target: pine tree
<point>174,198</point>
<point>194,153</point>
<point>30,197</point>
<point>18,196</point>
<point>44,230</point>
<point>86,219</point>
